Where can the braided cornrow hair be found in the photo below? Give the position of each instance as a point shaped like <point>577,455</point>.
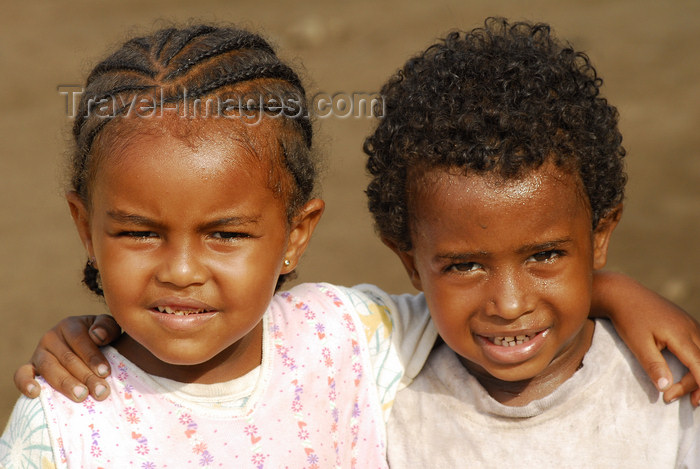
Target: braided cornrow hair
<point>181,65</point>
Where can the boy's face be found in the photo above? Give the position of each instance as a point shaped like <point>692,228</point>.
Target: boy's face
<point>501,259</point>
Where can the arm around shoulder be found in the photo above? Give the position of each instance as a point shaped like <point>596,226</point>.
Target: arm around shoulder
<point>648,324</point>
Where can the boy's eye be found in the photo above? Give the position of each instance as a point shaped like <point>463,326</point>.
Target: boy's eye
<point>464,267</point>
<point>138,234</point>
<point>546,256</point>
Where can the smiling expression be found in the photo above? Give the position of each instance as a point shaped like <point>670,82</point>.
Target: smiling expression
<point>189,239</point>
<point>506,267</point>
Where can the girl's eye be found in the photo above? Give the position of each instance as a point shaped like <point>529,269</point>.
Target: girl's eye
<point>546,256</point>
<point>464,267</point>
<point>228,235</point>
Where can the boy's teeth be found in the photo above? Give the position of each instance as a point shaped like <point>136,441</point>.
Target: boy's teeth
<point>510,341</point>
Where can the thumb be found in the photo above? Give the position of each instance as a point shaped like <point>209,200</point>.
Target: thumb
<point>25,382</point>
<point>656,367</point>
<point>104,330</point>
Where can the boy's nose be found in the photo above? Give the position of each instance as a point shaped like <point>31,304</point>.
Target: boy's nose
<point>182,267</point>
<point>510,295</point>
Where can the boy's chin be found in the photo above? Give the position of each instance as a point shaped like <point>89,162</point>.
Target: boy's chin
<point>488,372</point>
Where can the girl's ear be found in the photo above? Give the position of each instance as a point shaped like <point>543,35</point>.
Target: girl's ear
<point>302,228</point>
<point>81,218</point>
<point>602,234</point>
<point>408,261</point>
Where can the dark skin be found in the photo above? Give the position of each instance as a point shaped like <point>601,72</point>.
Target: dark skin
<point>68,356</point>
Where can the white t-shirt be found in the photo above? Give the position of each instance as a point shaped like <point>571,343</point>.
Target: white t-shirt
<point>607,415</point>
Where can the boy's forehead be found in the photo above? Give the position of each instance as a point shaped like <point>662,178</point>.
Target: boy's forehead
<point>443,188</point>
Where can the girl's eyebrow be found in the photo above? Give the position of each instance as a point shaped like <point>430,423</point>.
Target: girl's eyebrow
<point>130,218</point>
<point>231,221</point>
<point>140,220</point>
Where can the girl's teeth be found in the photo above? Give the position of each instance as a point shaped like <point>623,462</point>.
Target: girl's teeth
<point>510,341</point>
<point>169,310</point>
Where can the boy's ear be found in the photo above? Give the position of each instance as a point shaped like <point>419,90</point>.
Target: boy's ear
<point>303,226</point>
<point>408,261</point>
<point>81,218</point>
<point>602,234</point>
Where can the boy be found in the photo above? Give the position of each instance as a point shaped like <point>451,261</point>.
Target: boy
<point>498,181</point>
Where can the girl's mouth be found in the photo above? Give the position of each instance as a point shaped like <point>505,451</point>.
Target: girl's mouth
<point>179,312</point>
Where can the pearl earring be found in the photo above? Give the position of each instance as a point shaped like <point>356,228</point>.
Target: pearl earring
<point>287,263</point>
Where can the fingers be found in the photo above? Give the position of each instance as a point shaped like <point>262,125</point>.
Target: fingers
<point>104,330</point>
<point>25,382</point>
<point>74,336</point>
<point>70,362</point>
<point>688,352</point>
<point>648,353</point>
<point>656,367</point>
<point>68,374</point>
<point>695,397</point>
<point>59,377</point>
<point>686,385</point>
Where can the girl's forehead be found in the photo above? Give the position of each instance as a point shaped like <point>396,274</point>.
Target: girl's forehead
<point>174,182</point>
<point>165,157</point>
<point>257,136</point>
<point>151,147</point>
<point>207,147</point>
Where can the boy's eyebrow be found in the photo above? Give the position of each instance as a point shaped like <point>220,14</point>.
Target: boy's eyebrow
<point>544,246</point>
<point>534,247</point>
<point>460,255</point>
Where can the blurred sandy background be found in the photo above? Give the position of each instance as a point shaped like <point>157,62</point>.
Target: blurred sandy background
<point>648,53</point>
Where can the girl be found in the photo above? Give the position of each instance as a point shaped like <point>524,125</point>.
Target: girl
<point>191,191</point>
<point>193,204</point>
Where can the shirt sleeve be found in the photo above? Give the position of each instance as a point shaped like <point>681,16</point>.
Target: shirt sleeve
<point>400,336</point>
<point>25,441</point>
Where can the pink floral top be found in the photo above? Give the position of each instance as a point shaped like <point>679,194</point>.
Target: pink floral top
<point>333,359</point>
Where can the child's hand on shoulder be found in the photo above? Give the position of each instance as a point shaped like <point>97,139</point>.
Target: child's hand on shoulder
<point>69,359</point>
<point>648,323</point>
<point>678,332</point>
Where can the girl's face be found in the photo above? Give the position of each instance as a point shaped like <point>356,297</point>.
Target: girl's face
<point>506,267</point>
<point>189,240</point>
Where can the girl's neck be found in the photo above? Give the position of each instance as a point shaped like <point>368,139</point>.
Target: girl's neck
<point>521,393</point>
<point>231,363</point>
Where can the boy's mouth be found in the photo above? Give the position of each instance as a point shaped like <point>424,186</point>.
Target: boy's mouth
<point>510,341</point>
<point>517,348</point>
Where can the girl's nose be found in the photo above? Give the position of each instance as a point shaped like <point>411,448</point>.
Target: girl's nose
<point>511,295</point>
<point>182,267</point>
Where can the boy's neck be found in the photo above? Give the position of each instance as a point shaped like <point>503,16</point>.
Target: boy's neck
<point>520,393</point>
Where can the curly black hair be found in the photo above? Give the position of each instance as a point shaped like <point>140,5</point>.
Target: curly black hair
<point>503,98</point>
<point>187,65</point>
